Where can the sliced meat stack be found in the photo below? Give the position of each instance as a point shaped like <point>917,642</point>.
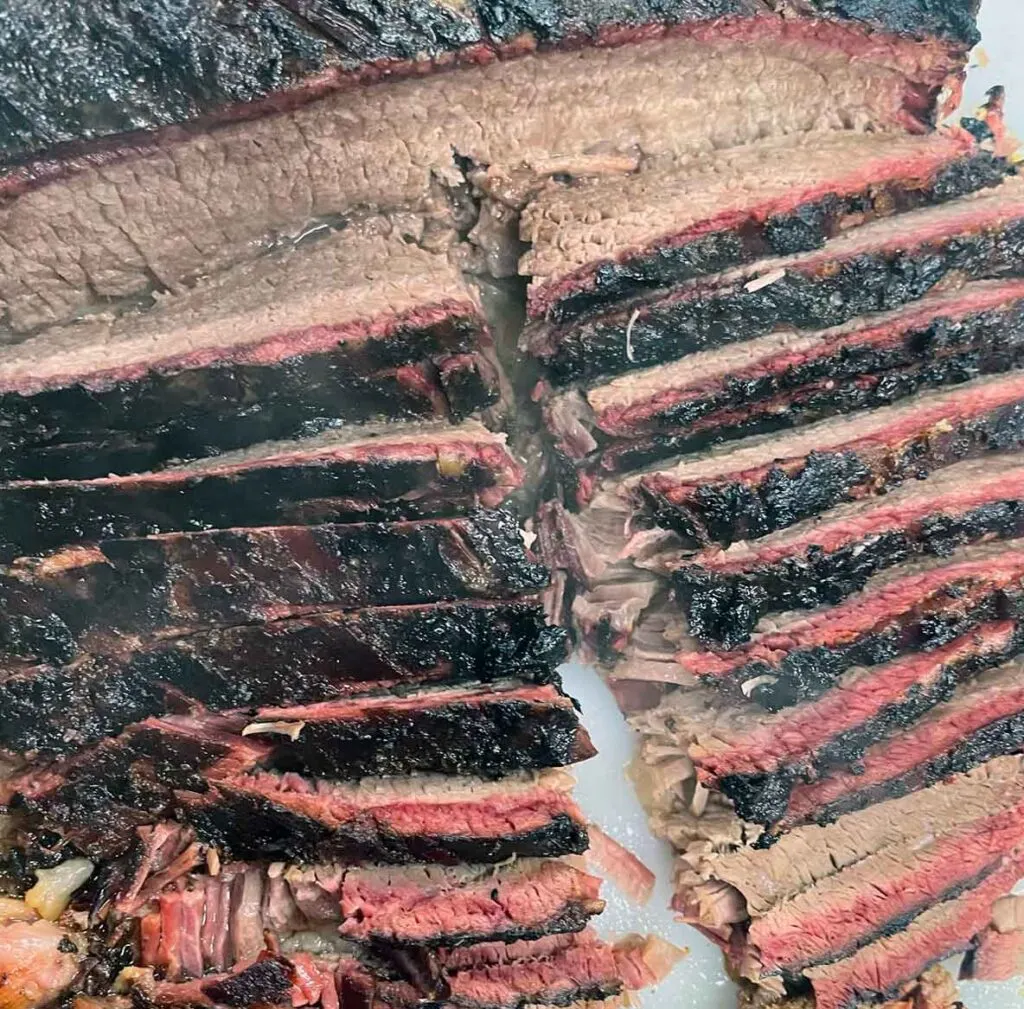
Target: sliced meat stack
<point>302,306</point>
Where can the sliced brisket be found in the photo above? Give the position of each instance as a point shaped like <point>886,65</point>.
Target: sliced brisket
<point>821,562</point>
<point>485,731</point>
<point>881,266</point>
<point>248,575</point>
<point>788,379</point>
<point>998,951</point>
<point>58,709</point>
<point>147,215</point>
<point>295,342</point>
<point>981,720</point>
<point>905,611</point>
<point>598,242</point>
<point>756,759</point>
<point>770,483</point>
<point>368,475</point>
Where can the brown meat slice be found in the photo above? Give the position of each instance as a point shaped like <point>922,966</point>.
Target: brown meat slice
<point>603,240</point>
<point>346,329</point>
<point>881,266</point>
<point>249,575</point>
<point>54,709</point>
<point>724,593</point>
<point>363,474</point>
<point>147,217</point>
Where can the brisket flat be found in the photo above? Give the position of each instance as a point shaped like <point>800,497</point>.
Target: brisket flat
<point>787,379</point>
<point>881,266</point>
<point>85,233</point>
<point>246,575</point>
<point>756,758</point>
<point>904,611</point>
<point>346,329</point>
<point>592,244</point>
<point>384,474</point>
<point>56,710</point>
<point>772,482</point>
<point>981,720</point>
<point>821,562</point>
<point>485,731</point>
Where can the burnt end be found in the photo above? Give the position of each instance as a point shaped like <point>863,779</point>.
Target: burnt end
<point>38,517</point>
<point>228,405</point>
<point>802,230</point>
<point>236,576</point>
<point>486,738</point>
<point>869,282</point>
<point>725,608</point>
<point>266,982</point>
<point>1002,737</point>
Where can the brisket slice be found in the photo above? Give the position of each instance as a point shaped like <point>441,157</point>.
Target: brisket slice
<point>773,482</point>
<point>384,474</point>
<point>58,709</point>
<point>981,720</point>
<point>998,951</point>
<point>821,562</point>
<point>592,244</point>
<point>248,575</point>
<point>185,204</point>
<point>756,758</point>
<point>774,876</point>
<point>881,266</point>
<point>346,329</point>
<point>914,609</point>
<point>205,60</point>
<point>486,731</point>
<point>787,379</point>
<point>882,968</point>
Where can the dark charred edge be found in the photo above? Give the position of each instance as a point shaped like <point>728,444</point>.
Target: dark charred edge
<point>266,982</point>
<point>791,972</point>
<point>726,608</point>
<point>469,384</point>
<point>148,584</point>
<point>252,826</point>
<point>54,711</point>
<point>79,433</point>
<point>727,511</point>
<point>945,353</point>
<point>802,230</point>
<point>137,69</point>
<point>869,282</point>
<point>39,517</point>
<point>1001,737</point>
<point>764,798</point>
<point>806,673</point>
<point>573,918</point>
<point>484,738</point>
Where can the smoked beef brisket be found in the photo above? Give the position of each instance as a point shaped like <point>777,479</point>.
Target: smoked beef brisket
<point>360,475</point>
<point>770,483</point>
<point>821,562</point>
<point>246,575</point>
<point>56,710</point>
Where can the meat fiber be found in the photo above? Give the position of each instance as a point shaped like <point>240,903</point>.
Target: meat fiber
<point>881,266</point>
<point>594,243</point>
<point>284,346</point>
<point>821,562</point>
<point>773,482</point>
<point>247,575</point>
<point>980,720</point>
<point>54,710</point>
<point>788,379</point>
<point>911,610</point>
<point>756,759</point>
<point>487,731</point>
<point>156,211</point>
<point>385,474</point>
